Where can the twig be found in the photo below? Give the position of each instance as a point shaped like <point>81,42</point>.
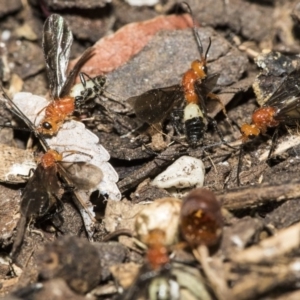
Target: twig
<point>217,282</point>
<point>254,196</point>
<point>285,241</point>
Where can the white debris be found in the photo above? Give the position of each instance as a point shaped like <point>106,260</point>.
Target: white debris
<point>142,2</point>
<point>185,172</point>
<point>289,142</point>
<point>5,36</point>
<point>162,214</point>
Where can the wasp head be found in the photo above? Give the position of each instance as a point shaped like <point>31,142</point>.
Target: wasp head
<point>49,127</point>
<point>200,68</point>
<point>249,131</point>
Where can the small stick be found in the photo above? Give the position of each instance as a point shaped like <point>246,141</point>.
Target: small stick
<point>254,196</point>
<point>268,250</point>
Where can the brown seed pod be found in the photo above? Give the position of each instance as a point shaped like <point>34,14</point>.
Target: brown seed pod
<point>200,218</point>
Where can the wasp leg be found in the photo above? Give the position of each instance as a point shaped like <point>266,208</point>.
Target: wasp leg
<point>30,173</point>
<point>142,127</point>
<point>176,119</point>
<point>273,143</point>
<point>239,166</point>
<point>215,125</point>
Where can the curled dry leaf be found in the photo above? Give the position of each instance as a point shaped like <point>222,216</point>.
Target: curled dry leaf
<point>115,50</point>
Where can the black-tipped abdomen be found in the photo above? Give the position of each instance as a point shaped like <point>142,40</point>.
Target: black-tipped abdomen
<point>195,124</point>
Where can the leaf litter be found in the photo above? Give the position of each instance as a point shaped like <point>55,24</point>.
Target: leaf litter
<point>251,199</point>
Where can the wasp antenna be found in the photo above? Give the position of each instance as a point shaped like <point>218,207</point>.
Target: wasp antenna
<point>196,34</point>
<point>208,47</point>
<point>15,109</point>
<point>82,79</point>
<point>42,140</point>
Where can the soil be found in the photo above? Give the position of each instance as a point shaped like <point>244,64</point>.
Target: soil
<point>140,48</point>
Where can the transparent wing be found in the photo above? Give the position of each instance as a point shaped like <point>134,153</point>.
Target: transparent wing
<point>289,112</point>
<point>203,88</point>
<point>155,105</point>
<point>202,92</point>
<point>211,81</point>
<point>57,41</point>
<point>82,175</point>
<point>287,93</point>
<point>88,53</point>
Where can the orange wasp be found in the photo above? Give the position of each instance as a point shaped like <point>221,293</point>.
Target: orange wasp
<point>57,41</point>
<point>282,107</point>
<point>41,196</point>
<point>161,277</point>
<point>195,89</point>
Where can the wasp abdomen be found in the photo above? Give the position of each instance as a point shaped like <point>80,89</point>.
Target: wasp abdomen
<point>87,90</point>
<point>55,114</point>
<point>195,123</point>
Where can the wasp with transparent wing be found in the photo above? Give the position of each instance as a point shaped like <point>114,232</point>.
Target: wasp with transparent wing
<point>41,196</point>
<point>195,89</point>
<point>282,107</point>
<point>57,42</point>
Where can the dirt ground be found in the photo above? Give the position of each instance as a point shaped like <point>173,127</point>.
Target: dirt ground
<point>255,47</point>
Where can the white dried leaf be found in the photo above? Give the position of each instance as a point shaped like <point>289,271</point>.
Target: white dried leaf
<point>32,106</point>
<point>73,136</point>
<point>16,164</point>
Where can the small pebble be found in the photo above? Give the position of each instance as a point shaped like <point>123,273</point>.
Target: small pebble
<point>185,172</point>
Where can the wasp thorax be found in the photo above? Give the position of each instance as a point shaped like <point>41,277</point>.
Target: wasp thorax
<point>264,117</point>
<point>50,158</point>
